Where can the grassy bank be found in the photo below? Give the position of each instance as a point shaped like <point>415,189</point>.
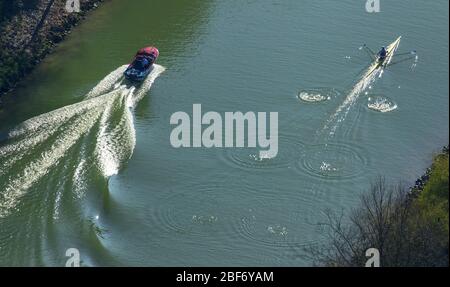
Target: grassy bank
<point>408,226</point>
<point>29,30</point>
<point>432,201</point>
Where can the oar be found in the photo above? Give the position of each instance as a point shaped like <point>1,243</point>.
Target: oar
<point>401,61</point>
<point>407,53</point>
<point>370,52</point>
<point>413,56</point>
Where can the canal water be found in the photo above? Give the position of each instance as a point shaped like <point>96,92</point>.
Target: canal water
<point>86,160</point>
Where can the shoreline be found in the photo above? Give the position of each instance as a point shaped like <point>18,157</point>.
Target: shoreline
<point>32,33</point>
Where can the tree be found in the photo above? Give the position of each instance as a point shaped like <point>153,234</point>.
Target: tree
<point>388,220</point>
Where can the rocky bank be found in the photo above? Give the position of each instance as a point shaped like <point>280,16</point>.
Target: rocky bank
<point>29,31</point>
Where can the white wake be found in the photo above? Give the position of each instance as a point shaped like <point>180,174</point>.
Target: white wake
<point>97,134</point>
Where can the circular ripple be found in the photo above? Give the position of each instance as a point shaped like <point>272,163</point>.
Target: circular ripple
<point>381,104</point>
<point>315,95</point>
<point>289,149</point>
<point>273,224</point>
<point>230,211</point>
<point>197,210</point>
<point>333,161</point>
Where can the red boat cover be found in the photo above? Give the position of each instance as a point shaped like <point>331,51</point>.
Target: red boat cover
<point>148,51</point>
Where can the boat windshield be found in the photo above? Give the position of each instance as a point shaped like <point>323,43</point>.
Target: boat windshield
<point>141,63</point>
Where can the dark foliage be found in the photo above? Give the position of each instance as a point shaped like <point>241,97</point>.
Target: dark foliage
<point>407,230</point>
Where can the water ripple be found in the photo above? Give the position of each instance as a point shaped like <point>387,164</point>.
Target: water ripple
<point>289,150</point>
<point>381,104</point>
<point>314,95</point>
<point>336,161</point>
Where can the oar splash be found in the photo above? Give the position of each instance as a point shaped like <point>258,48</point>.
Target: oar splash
<point>375,70</point>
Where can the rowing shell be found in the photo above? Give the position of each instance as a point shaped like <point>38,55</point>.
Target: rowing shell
<point>390,54</point>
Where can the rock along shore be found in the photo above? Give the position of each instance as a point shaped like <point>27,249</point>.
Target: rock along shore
<point>29,31</point>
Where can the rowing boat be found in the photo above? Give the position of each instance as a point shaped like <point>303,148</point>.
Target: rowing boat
<point>391,49</point>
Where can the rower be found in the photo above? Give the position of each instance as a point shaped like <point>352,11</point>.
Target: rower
<point>382,54</point>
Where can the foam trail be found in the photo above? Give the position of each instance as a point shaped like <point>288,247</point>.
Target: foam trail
<point>140,93</point>
<point>111,81</point>
<point>97,135</point>
<point>342,111</point>
<point>365,82</point>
